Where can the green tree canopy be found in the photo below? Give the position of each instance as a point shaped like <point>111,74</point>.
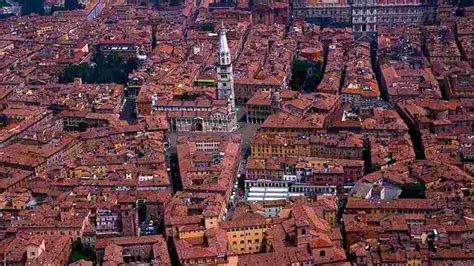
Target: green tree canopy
<point>175,2</point>
<point>413,191</point>
<point>72,4</point>
<point>110,69</point>
<point>31,6</point>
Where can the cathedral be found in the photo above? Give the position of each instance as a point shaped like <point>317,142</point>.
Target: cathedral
<point>201,114</point>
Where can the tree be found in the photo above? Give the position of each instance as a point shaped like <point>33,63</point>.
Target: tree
<point>175,2</point>
<point>3,120</point>
<point>80,252</point>
<point>110,69</point>
<point>153,41</point>
<point>31,6</point>
<point>413,191</point>
<point>305,74</point>
<point>82,71</point>
<point>207,27</point>
<point>72,4</point>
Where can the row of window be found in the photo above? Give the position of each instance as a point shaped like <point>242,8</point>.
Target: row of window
<point>317,189</point>
<point>364,12</point>
<point>411,19</point>
<point>182,108</point>
<point>345,12</point>
<point>259,107</point>
<point>323,12</point>
<point>211,121</point>
<point>248,228</point>
<point>70,233</point>
<point>248,242</point>
<point>247,234</point>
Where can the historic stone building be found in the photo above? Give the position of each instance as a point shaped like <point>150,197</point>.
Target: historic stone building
<point>329,12</point>
<point>199,115</point>
<point>366,15</point>
<point>199,112</point>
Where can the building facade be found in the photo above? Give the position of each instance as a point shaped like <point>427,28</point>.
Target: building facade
<point>366,15</point>
<point>334,12</point>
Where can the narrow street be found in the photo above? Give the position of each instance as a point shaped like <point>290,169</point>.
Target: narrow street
<point>128,111</point>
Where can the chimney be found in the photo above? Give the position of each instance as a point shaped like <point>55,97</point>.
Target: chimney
<point>275,96</point>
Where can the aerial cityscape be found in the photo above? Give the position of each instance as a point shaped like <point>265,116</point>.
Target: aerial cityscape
<point>236,132</point>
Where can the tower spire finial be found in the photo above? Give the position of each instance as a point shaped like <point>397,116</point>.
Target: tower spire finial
<point>222,30</point>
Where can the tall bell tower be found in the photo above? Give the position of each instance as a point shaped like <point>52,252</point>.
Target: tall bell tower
<point>225,79</point>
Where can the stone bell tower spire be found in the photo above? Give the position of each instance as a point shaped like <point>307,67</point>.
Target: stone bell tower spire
<point>225,79</point>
